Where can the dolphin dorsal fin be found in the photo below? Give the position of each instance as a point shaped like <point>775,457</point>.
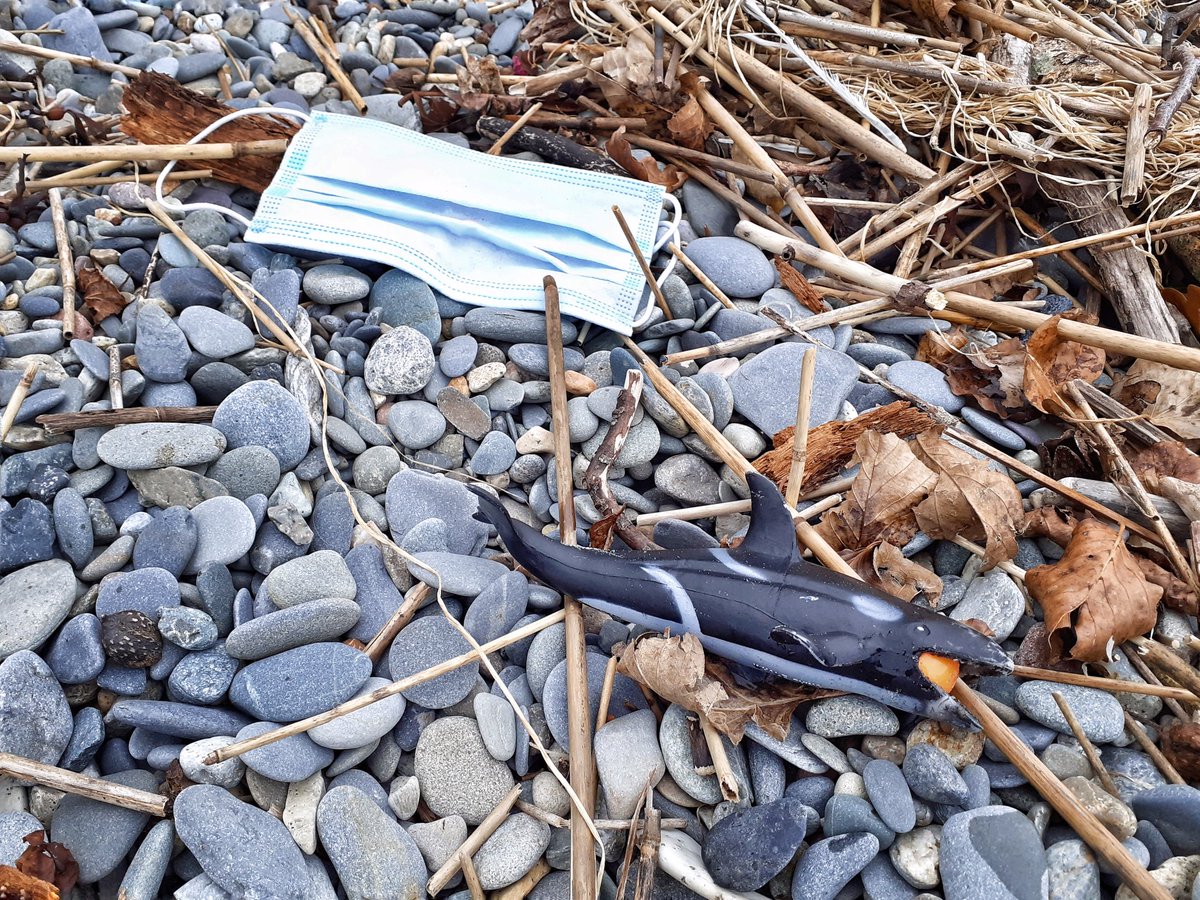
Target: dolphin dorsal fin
<point>771,535</point>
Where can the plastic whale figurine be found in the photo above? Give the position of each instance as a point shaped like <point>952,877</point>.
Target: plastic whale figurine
<point>763,606</point>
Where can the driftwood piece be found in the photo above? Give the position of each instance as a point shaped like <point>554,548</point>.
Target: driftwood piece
<point>58,423</point>
<point>551,147</point>
<point>161,111</point>
<point>1126,273</point>
<point>1104,492</point>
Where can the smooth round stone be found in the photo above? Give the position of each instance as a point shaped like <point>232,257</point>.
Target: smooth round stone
<point>400,362</point>
<point>495,454</point>
<point>827,866</point>
<point>335,284</point>
<point>191,629</point>
<point>978,851</point>
<point>225,530</point>
<point>512,326</point>
<point>533,358</point>
<point>457,356</point>
<point>372,855</point>
<point>932,776</point>
<point>511,851</point>
<point>926,382</point>
<point>227,774</point>
<point>993,598</point>
<point>688,479</point>
<point>213,333</point>
<point>915,856</point>
<point>202,676</point>
<point>157,445</point>
<point>182,720</point>
<point>264,413</point>
<point>456,773</point>
<point>626,695</point>
<point>318,575</point>
<point>497,725</point>
<point>415,423</point>
<point>374,468</point>
<point>889,793</point>
<point>296,626</point>
<point>641,445</point>
<point>34,601</point>
<point>413,497</point>
<point>168,542</point>
<point>737,267</point>
<point>1174,810</point>
<point>1099,713</point>
<point>498,607</point>
<point>219,830</point>
<point>913,326</point>
<point>76,656</point>
<point>247,471</point>
<point>144,876</point>
<point>299,683</point>
<point>100,834</point>
<point>749,847</point>
<point>294,758</point>
<point>848,814</point>
<point>1073,871</point>
<point>426,642</point>
<point>992,428</point>
<point>404,299</point>
<point>766,388</point>
<point>35,720</point>
<point>87,737</point>
<point>465,576</point>
<point>161,348</point>
<point>437,840</point>
<point>360,728</point>
<point>848,715</point>
<point>14,825</point>
<point>872,355</point>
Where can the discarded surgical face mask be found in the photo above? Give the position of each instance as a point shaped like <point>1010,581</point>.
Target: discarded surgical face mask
<point>481,229</point>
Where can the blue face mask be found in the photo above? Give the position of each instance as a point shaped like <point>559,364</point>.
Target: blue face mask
<point>481,229</point>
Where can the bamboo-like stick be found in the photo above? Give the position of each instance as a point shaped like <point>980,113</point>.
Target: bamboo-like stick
<point>332,66</point>
<point>601,824</point>
<point>66,262</point>
<point>610,675</point>
<point>143,152</point>
<point>1005,565</point>
<point>59,423</point>
<point>1116,342</point>
<point>1151,677</point>
<point>20,392</point>
<point>721,767</point>
<point>645,266</point>
<point>853,32</point>
<point>88,62</point>
<point>720,445</point>
<point>800,434</point>
<point>1029,223</point>
<point>1134,727</point>
<point>116,396</point>
<point>1086,825</point>
<point>516,126</point>
<point>474,841</point>
<point>1013,268</point>
<point>994,20</point>
<point>110,792</point>
<point>470,876</point>
<point>413,601</point>
<point>583,766</point>
<point>700,276</point>
<point>1133,178</point>
<point>1112,685</point>
<point>396,687</point>
<point>521,888</point>
<point>1158,656</point>
<point>96,181</point>
<point>712,510</point>
<point>1089,749</point>
<point>733,167</point>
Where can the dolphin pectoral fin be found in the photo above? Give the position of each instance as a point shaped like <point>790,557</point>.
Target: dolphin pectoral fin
<point>771,536</point>
<point>790,637</point>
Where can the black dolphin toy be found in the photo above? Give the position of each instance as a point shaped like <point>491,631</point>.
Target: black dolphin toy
<point>763,606</point>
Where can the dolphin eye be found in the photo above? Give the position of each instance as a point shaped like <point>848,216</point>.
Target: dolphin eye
<point>922,629</point>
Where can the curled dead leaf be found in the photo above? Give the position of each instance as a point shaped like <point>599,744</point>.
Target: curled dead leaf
<point>600,534</point>
<point>676,669</point>
<point>1168,397</point>
<point>1096,595</point>
<point>883,566</point>
<point>48,861</point>
<point>879,504</point>
<point>1177,595</point>
<point>1181,746</point>
<point>645,169</point>
<point>969,499</point>
<point>689,126</point>
<point>99,294</point>
<point>1049,522</point>
<point>1166,458</point>
<point>1052,362</point>
<point>939,348</point>
<point>993,376</point>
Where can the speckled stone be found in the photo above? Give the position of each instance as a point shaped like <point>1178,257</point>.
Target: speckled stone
<point>34,601</point>
<point>367,725</point>
<point>35,720</point>
<point>372,855</point>
<point>750,846</point>
<point>426,642</point>
<point>296,626</point>
<point>456,773</point>
<point>511,851</point>
<point>978,850</point>
<point>294,758</point>
<point>100,834</point>
<point>400,362</point>
<point>1099,713</point>
<point>299,683</point>
<point>827,866</point>
<point>850,715</point>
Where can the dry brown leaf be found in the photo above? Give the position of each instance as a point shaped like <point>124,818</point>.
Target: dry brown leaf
<point>939,348</point>
<point>551,22</point>
<point>969,499</point>
<point>689,126</point>
<point>48,861</point>
<point>1166,458</point>
<point>1177,595</point>
<point>883,566</point>
<point>879,504</point>
<point>1168,397</point>
<point>645,169</point>
<point>795,282</point>
<point>600,534</point>
<point>1052,362</point>
<point>480,75</point>
<point>1049,522</point>
<point>1181,747</point>
<point>99,294</point>
<point>675,668</point>
<point>1095,596</point>
<point>932,9</point>
<point>993,376</point>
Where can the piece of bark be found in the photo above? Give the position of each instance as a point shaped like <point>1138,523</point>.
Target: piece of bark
<point>159,110</point>
<point>1126,273</point>
<point>550,146</point>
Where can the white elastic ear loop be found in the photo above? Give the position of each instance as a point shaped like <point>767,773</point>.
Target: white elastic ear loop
<point>173,204</point>
<point>671,234</point>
